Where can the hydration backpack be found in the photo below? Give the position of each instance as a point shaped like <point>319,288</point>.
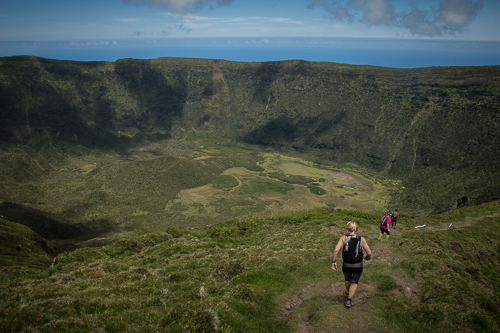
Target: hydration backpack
<point>352,251</point>
<point>383,221</point>
<point>395,215</point>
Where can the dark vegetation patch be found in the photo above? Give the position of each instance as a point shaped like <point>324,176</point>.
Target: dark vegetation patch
<point>434,128</point>
<point>252,186</point>
<point>21,247</point>
<point>225,182</point>
<point>235,275</point>
<point>50,228</point>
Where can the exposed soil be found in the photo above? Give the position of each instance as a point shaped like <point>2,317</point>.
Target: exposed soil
<point>329,298</point>
<point>333,316</point>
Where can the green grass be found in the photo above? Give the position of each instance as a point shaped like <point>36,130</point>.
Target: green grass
<point>105,195</point>
<point>238,275</point>
<point>261,186</point>
<point>20,246</point>
<point>435,129</point>
<point>127,151</point>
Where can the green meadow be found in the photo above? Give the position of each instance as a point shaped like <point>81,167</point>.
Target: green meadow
<point>148,190</point>
<point>199,195</point>
<point>268,273</point>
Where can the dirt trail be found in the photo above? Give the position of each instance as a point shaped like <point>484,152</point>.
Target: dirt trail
<point>329,314</point>
<point>320,307</point>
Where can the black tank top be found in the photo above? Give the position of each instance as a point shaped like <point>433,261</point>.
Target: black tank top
<point>352,252</point>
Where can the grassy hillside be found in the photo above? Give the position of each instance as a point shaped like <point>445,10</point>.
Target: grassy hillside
<point>22,247</point>
<point>194,195</point>
<point>434,128</point>
<point>269,274</point>
<point>184,184</point>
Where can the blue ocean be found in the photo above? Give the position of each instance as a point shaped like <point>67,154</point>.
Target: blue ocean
<point>395,53</point>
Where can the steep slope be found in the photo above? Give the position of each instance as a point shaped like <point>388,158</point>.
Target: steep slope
<point>21,247</point>
<point>267,274</point>
<point>435,128</point>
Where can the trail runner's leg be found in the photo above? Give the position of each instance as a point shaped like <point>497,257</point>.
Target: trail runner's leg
<point>352,290</point>
<point>347,285</point>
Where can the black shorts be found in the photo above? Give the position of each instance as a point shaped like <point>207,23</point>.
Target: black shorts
<point>385,231</point>
<point>352,272</point>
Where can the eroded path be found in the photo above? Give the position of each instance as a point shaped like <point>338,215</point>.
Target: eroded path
<point>320,306</point>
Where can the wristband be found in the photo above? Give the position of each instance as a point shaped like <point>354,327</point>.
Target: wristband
<point>333,262</point>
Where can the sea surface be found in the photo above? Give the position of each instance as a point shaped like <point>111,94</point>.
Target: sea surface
<point>395,53</point>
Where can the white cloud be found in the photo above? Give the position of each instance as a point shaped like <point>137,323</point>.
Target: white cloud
<point>458,13</point>
<point>192,22</point>
<point>283,20</point>
<point>378,12</point>
<point>90,43</point>
<point>128,20</point>
<point>181,7</point>
<point>449,17</point>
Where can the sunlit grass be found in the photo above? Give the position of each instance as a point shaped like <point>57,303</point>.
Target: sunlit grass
<point>160,185</point>
<point>238,276</point>
<point>251,186</point>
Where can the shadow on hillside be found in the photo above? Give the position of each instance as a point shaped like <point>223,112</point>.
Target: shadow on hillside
<point>49,228</point>
<point>264,77</point>
<point>73,102</point>
<point>310,131</point>
<point>162,99</point>
<point>276,132</point>
<point>270,72</point>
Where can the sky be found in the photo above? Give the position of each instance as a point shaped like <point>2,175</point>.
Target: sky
<point>34,23</point>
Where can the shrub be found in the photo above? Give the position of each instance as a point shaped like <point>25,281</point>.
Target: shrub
<point>174,232</point>
<point>124,246</point>
<point>254,167</point>
<point>217,232</point>
<point>230,269</point>
<point>154,239</point>
<point>204,322</point>
<point>85,254</point>
<point>316,190</point>
<point>242,291</point>
<point>360,214</point>
<point>63,258</point>
<point>224,182</point>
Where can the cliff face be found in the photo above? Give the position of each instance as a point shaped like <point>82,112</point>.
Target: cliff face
<point>436,128</point>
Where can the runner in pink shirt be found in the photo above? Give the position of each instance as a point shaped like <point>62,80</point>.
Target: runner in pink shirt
<point>384,227</point>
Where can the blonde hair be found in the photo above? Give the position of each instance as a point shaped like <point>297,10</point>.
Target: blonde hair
<point>352,227</point>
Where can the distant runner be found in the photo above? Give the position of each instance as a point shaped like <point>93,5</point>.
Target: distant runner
<point>352,246</point>
<point>384,227</point>
<point>394,218</point>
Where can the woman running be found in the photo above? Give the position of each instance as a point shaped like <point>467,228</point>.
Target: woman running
<point>352,246</point>
<point>384,227</point>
